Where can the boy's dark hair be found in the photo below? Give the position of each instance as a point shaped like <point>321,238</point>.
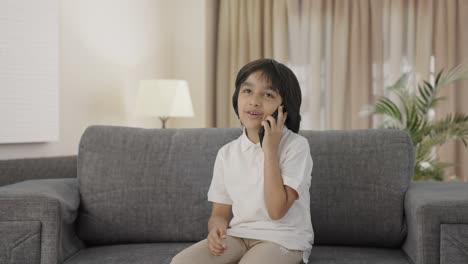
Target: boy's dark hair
<point>282,80</point>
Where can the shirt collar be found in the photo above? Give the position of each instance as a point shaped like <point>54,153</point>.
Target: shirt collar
<point>246,143</point>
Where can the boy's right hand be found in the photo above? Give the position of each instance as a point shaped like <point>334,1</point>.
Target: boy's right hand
<point>217,241</point>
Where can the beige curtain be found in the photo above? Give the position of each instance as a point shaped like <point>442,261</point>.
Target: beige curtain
<point>247,30</point>
<point>333,48</point>
<point>353,50</point>
<point>450,48</point>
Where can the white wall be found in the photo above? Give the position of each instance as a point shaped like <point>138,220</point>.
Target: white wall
<point>107,46</point>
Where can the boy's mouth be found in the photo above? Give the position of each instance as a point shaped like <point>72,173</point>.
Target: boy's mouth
<point>254,114</point>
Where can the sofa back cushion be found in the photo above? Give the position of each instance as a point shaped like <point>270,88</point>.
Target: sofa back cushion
<point>146,185</point>
<point>150,185</point>
<point>359,181</point>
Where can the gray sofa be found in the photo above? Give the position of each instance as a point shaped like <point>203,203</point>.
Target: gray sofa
<point>138,196</point>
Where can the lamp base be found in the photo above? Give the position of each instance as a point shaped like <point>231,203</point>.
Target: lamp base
<point>164,120</point>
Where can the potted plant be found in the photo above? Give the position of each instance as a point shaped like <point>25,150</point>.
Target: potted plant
<point>412,108</point>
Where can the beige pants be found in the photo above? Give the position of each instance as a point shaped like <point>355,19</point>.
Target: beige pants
<point>239,251</point>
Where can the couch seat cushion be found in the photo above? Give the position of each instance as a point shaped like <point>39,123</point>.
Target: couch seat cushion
<point>357,255</point>
<point>162,253</point>
<point>155,253</point>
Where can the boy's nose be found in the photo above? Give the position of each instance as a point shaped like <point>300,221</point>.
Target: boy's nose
<point>255,101</point>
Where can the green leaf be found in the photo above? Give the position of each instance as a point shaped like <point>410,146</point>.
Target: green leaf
<point>438,77</point>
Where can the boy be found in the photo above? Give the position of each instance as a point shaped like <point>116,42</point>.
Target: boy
<point>265,186</point>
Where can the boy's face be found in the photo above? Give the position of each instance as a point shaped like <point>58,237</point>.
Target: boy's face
<point>257,100</point>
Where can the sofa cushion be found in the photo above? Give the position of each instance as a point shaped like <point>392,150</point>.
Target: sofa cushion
<point>150,185</point>
<point>357,255</point>
<point>359,181</point>
<point>162,253</point>
<point>146,185</point>
<point>156,253</point>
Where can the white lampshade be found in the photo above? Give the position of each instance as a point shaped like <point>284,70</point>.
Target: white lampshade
<point>164,98</point>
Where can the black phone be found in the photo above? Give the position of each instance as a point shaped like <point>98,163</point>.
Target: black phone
<point>261,131</point>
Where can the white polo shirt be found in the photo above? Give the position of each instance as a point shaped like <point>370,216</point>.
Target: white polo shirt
<point>238,181</point>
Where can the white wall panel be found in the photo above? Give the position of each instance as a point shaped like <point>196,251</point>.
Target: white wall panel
<point>29,70</point>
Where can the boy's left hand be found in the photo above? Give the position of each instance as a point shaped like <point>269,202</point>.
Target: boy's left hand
<point>273,132</point>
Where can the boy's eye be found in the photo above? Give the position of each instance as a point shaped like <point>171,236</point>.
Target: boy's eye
<point>269,95</point>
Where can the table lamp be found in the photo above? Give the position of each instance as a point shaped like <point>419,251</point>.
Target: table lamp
<point>164,99</point>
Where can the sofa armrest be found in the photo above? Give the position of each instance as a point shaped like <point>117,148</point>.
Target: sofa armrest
<point>37,221</point>
<point>437,218</point>
<point>16,170</point>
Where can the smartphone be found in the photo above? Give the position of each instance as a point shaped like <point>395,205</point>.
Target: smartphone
<point>261,131</point>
